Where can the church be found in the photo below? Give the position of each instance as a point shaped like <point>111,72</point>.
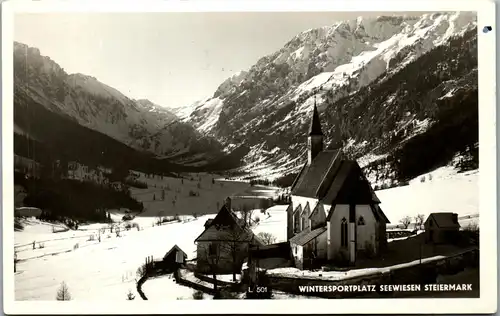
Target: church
<point>334,215</point>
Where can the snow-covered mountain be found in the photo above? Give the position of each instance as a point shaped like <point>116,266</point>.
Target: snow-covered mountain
<point>140,124</point>
<point>267,108</point>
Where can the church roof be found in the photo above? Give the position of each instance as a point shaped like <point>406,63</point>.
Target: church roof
<point>307,235</point>
<point>315,127</point>
<point>332,179</point>
<point>310,177</point>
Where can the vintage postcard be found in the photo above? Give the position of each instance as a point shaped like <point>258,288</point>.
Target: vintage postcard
<point>200,157</point>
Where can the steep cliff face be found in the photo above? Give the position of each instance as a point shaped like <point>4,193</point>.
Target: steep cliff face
<point>360,73</point>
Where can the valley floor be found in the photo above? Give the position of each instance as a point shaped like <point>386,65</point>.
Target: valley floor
<point>106,270</point>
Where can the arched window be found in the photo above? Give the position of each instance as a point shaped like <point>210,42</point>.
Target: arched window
<point>343,233</point>
<point>361,221</point>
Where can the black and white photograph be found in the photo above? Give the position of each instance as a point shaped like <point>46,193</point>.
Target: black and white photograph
<point>166,156</point>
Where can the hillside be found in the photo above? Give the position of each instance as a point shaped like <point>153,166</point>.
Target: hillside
<point>139,124</point>
<point>378,83</point>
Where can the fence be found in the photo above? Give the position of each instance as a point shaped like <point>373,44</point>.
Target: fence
<point>412,274</point>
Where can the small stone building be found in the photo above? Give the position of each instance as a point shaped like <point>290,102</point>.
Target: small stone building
<point>441,228</point>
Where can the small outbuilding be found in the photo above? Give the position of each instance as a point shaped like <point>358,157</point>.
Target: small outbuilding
<point>441,228</point>
<point>173,259</point>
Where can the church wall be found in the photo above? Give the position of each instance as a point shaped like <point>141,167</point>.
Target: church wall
<point>321,245</point>
<point>333,242</point>
<point>300,200</point>
<point>318,218</point>
<point>366,233</point>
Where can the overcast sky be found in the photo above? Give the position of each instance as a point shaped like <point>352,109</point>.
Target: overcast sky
<point>172,59</point>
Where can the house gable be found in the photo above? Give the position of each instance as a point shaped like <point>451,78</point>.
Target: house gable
<point>225,227</point>
<point>443,220</point>
<point>317,217</point>
<point>175,248</point>
<point>296,218</point>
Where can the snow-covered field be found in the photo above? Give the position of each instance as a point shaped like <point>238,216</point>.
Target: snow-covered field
<point>106,270</point>
<point>444,190</point>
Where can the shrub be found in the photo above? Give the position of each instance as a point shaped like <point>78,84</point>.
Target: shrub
<point>193,193</point>
<point>224,294</point>
<point>130,295</point>
<point>198,295</point>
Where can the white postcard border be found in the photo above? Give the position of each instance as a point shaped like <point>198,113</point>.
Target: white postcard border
<point>487,302</point>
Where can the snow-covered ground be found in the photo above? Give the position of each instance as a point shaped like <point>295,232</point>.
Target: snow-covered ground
<point>106,270</point>
<point>443,190</point>
<point>165,288</point>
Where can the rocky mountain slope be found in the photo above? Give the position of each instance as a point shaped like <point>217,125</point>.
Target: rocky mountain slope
<point>140,124</point>
<point>378,82</point>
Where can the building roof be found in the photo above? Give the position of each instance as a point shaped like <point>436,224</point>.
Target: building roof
<point>310,178</point>
<point>315,127</point>
<point>175,247</point>
<point>307,235</point>
<point>444,220</point>
<point>226,226</point>
<point>279,250</point>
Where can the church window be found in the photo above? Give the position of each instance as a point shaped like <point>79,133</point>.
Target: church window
<point>343,233</point>
<point>361,221</point>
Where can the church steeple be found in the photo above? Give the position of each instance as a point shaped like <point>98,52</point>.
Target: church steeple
<point>315,139</point>
<point>315,127</point>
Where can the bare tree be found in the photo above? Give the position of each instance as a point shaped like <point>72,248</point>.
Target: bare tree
<point>267,238</point>
<point>212,256</point>
<point>419,220</point>
<point>234,244</point>
<point>63,293</point>
<point>406,221</point>
<point>246,216</point>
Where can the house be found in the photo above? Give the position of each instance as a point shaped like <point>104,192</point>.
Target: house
<point>223,245</point>
<point>173,259</point>
<point>334,214</point>
<point>441,227</point>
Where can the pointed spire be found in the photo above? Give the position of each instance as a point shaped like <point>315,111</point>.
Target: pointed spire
<point>315,127</point>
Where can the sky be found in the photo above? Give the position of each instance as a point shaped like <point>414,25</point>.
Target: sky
<point>172,59</point>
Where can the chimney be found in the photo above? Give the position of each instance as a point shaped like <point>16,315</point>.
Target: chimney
<point>227,202</point>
